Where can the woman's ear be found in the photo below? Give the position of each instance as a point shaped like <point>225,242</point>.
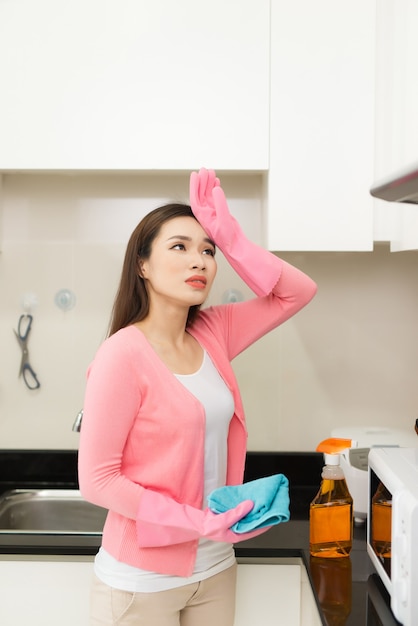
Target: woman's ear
<point>139,267</point>
<point>142,268</point>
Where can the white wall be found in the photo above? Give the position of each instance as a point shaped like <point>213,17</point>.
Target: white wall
<point>349,358</point>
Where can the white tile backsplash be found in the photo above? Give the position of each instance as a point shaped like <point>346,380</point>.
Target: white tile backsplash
<point>350,357</point>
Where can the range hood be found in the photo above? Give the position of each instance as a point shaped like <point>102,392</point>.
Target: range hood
<point>402,187</point>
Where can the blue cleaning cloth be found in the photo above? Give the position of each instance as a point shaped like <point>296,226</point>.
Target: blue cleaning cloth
<point>271,502</point>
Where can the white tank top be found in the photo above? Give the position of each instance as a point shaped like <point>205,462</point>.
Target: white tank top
<point>212,557</point>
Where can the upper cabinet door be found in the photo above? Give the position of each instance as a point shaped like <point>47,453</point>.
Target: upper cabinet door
<point>396,87</point>
<point>396,116</point>
<point>322,125</point>
<point>134,85</point>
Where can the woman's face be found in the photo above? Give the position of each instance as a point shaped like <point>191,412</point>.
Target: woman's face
<point>182,266</point>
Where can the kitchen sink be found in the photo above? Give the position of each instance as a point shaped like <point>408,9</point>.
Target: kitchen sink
<point>51,511</point>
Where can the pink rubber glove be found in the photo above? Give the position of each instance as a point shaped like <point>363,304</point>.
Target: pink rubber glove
<point>161,521</point>
<point>259,268</point>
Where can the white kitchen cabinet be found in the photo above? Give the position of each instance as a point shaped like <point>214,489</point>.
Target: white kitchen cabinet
<point>134,85</point>
<point>396,86</point>
<point>321,126</point>
<point>396,116</point>
<point>274,591</point>
<point>46,591</point>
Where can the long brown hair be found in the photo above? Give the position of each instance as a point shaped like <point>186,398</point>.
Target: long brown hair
<point>132,301</point>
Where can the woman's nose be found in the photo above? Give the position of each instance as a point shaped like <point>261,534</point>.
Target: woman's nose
<point>199,261</point>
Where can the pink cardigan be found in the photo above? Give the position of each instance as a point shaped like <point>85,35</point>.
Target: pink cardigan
<point>142,429</point>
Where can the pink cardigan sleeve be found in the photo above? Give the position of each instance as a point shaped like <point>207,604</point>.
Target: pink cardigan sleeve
<point>111,403</point>
<point>244,323</point>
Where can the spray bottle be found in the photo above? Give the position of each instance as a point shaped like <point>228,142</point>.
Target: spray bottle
<point>331,511</point>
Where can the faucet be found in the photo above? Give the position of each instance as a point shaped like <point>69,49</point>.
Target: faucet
<point>77,422</point>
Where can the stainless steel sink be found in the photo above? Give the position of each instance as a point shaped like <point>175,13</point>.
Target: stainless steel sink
<point>51,511</point>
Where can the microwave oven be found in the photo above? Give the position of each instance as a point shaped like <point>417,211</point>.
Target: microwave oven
<point>392,526</point>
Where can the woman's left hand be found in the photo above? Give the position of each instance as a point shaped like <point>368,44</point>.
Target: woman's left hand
<point>210,207</point>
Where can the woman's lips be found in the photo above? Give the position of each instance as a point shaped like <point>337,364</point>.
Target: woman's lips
<point>198,282</point>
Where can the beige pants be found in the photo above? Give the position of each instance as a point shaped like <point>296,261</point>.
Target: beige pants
<point>208,603</point>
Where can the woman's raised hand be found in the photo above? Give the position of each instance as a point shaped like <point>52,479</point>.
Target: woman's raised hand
<point>210,207</point>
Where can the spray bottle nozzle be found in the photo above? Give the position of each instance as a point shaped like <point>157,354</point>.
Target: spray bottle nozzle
<point>335,445</point>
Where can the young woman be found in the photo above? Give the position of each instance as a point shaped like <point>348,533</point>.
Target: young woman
<point>163,418</point>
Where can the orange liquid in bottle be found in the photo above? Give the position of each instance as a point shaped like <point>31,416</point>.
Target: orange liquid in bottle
<point>331,520</point>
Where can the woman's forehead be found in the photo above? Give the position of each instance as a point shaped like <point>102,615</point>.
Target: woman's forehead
<point>182,226</point>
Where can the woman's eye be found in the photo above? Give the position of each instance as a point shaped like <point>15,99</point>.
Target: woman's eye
<point>178,246</point>
<point>209,251</point>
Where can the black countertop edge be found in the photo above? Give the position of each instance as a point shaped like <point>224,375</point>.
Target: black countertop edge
<point>48,550</point>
